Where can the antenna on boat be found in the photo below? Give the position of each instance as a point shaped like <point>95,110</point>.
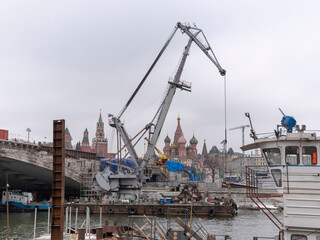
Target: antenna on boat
<point>253,133</point>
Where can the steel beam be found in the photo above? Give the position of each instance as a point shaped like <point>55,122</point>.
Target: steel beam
<point>58,182</point>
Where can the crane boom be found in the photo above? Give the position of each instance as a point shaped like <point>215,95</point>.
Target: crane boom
<point>165,107</point>
<point>207,50</point>
<point>148,72</point>
<point>193,37</point>
<point>115,122</point>
<point>161,154</point>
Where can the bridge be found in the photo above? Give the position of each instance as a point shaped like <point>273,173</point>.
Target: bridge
<point>29,168</point>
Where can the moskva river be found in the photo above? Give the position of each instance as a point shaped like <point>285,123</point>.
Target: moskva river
<point>246,225</point>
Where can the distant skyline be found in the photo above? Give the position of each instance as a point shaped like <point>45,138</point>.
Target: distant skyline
<point>69,59</point>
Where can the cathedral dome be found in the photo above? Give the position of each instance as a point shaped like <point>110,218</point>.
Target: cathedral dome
<point>167,139</point>
<point>193,140</point>
<point>173,146</point>
<point>182,140</point>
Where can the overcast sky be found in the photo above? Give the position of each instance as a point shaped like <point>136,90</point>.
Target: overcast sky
<point>69,59</point>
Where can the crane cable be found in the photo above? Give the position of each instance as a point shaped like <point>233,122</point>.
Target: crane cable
<point>225,123</point>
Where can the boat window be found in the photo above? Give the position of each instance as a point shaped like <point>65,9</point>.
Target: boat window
<point>292,155</point>
<point>309,156</point>
<point>298,237</point>
<point>276,174</point>
<point>272,156</point>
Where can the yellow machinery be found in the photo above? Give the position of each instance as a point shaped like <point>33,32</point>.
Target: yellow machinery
<point>161,161</point>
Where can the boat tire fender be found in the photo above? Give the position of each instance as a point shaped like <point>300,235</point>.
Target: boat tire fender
<point>160,211</point>
<point>212,212</point>
<point>234,204</point>
<point>110,210</point>
<point>233,211</point>
<point>132,211</point>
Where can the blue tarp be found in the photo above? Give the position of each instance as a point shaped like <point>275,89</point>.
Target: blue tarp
<point>126,162</point>
<point>193,177</point>
<point>188,168</point>
<point>174,166</point>
<point>191,171</point>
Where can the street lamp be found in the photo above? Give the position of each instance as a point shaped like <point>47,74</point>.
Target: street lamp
<point>28,130</point>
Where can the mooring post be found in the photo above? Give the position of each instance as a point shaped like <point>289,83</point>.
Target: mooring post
<point>58,180</point>
<point>81,233</point>
<point>67,218</point>
<point>99,233</point>
<point>100,216</point>
<point>76,221</point>
<point>49,219</point>
<point>35,223</point>
<point>70,208</point>
<point>7,199</point>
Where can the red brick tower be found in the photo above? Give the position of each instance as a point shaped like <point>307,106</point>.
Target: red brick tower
<point>85,146</point>
<point>100,143</point>
<point>166,149</point>
<point>68,139</point>
<point>204,154</point>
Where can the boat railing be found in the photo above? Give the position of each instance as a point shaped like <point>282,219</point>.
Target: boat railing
<point>259,182</point>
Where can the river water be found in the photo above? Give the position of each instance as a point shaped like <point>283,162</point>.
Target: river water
<point>246,225</point>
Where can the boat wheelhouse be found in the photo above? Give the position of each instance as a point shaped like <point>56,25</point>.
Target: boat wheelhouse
<point>293,160</point>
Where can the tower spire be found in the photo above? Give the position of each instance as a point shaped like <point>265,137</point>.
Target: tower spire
<point>100,117</point>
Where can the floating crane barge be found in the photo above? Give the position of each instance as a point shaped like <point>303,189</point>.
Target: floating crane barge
<point>156,209</point>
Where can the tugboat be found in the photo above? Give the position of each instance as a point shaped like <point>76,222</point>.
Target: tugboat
<point>21,201</point>
<point>293,160</point>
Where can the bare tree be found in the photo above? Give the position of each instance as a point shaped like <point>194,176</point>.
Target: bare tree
<point>214,162</point>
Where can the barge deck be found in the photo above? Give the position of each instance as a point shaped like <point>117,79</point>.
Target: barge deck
<point>156,209</point>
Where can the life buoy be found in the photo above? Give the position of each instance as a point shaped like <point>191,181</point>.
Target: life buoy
<point>211,212</point>
<point>132,211</point>
<point>160,211</point>
<point>110,210</point>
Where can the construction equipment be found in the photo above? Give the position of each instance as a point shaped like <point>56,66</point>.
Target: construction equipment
<point>189,192</point>
<point>122,184</point>
<point>161,161</point>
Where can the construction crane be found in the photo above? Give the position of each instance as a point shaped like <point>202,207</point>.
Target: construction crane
<point>242,128</point>
<point>124,183</point>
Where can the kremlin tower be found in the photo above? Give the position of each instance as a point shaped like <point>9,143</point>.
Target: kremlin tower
<point>85,145</point>
<point>68,139</point>
<point>100,143</point>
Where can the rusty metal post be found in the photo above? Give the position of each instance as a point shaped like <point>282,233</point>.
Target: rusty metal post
<point>81,233</point>
<point>99,233</point>
<point>58,179</point>
<point>7,198</point>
